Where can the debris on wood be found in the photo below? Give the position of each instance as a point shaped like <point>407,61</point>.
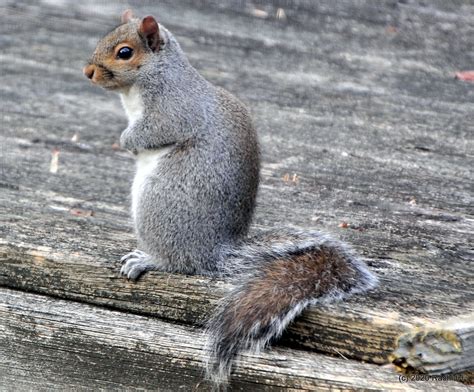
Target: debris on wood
<point>280,14</point>
<point>54,165</point>
<point>81,212</point>
<point>391,29</point>
<point>465,76</point>
<point>258,13</point>
<point>291,178</point>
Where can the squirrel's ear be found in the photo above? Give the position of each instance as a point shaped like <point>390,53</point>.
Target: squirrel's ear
<point>150,31</point>
<point>127,15</point>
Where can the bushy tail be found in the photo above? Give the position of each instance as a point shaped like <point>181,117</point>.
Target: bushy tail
<point>276,276</point>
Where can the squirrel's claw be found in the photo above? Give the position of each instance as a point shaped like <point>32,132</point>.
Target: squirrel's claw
<point>135,264</point>
<point>136,254</point>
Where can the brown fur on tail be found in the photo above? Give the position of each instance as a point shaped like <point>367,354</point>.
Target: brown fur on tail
<point>278,279</point>
<point>284,283</point>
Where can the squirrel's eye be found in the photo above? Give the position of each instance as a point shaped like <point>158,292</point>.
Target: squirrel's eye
<point>125,53</point>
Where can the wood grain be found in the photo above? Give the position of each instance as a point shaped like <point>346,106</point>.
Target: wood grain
<point>359,101</point>
<point>347,329</point>
<point>445,348</point>
<point>61,345</point>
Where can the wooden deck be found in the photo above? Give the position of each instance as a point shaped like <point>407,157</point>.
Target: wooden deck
<point>365,134</point>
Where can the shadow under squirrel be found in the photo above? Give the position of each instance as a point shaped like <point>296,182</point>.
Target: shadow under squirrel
<point>194,191</point>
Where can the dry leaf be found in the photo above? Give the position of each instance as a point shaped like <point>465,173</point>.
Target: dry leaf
<point>81,212</point>
<point>466,76</point>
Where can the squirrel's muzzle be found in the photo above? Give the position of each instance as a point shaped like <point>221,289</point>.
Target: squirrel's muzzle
<point>89,70</point>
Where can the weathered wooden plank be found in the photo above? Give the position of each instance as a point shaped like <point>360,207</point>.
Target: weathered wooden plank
<point>61,345</point>
<point>348,329</point>
<point>441,349</point>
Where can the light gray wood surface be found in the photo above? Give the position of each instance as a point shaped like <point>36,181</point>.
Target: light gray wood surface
<point>357,99</point>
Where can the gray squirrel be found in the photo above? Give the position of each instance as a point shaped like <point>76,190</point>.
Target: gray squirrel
<point>194,192</point>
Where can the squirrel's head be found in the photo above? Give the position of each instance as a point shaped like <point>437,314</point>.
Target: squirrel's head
<point>121,53</point>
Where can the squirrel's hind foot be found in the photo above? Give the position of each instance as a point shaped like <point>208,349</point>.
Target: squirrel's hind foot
<point>136,263</point>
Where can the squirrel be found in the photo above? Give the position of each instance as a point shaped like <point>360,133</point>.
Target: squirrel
<point>193,196</point>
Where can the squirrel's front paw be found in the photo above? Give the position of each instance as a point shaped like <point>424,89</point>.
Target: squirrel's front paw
<point>127,140</point>
<point>136,263</point>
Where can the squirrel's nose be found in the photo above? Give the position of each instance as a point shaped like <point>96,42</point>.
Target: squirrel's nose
<point>89,70</point>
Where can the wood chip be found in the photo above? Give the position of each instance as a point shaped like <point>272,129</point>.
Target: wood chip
<point>259,13</point>
<point>54,165</point>
<point>280,14</point>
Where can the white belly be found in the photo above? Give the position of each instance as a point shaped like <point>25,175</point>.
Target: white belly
<point>132,103</point>
<point>147,163</point>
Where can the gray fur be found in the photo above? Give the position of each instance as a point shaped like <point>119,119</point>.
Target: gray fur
<point>194,207</point>
<point>202,195</point>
